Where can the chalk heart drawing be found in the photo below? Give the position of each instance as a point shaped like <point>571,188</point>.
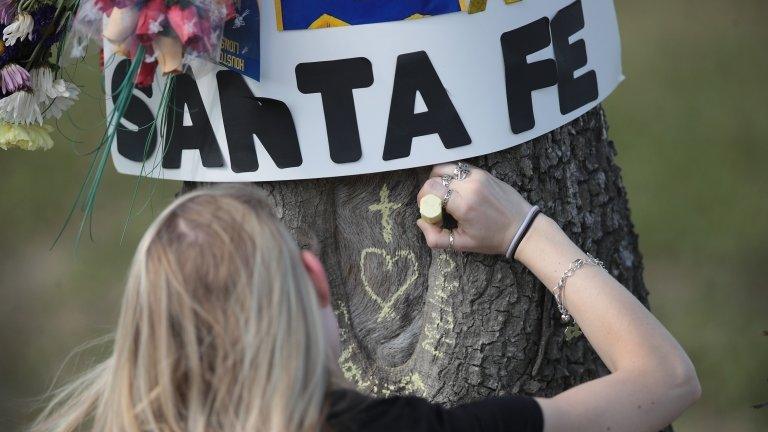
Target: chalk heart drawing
<point>389,265</point>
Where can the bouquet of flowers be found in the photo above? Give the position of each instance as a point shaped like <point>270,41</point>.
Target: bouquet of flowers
<point>153,34</point>
<point>31,90</point>
<point>158,33</point>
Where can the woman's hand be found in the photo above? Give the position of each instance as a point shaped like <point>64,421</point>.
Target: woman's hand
<point>488,211</point>
<point>652,379</point>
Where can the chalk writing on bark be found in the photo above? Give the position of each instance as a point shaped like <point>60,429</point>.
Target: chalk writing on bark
<point>386,207</point>
<point>412,272</point>
<point>439,326</point>
<point>411,383</point>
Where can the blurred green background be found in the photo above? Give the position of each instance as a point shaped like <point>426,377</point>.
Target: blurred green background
<point>691,128</point>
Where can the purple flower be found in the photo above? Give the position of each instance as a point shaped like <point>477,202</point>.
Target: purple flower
<point>13,77</point>
<point>43,17</point>
<point>8,11</point>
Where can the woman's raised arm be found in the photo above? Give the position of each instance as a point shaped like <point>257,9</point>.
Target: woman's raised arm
<point>652,380</point>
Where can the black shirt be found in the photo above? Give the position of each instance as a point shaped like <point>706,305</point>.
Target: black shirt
<point>351,411</point>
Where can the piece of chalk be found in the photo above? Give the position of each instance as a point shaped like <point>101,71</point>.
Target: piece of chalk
<point>431,209</point>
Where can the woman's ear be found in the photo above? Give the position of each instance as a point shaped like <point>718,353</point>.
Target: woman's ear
<point>317,274</point>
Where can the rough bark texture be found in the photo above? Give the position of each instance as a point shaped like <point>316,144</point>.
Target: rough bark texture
<point>456,327</point>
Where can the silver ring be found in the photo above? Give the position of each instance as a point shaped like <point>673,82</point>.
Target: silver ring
<point>447,196</point>
<point>461,171</point>
<point>446,180</point>
<point>450,239</point>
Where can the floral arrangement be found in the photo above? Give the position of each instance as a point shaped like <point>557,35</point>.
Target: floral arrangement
<point>155,34</point>
<point>160,33</point>
<point>31,90</point>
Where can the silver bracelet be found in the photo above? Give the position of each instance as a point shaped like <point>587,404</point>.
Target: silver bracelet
<point>565,317</point>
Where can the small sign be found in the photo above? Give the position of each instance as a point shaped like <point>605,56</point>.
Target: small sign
<point>240,41</point>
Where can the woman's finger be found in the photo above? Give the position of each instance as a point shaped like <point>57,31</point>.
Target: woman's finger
<point>439,238</point>
<point>434,186</point>
<point>442,169</point>
<point>446,169</point>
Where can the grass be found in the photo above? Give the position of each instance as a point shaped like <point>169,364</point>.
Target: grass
<point>690,127</point>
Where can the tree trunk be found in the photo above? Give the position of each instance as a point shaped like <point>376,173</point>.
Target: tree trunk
<point>455,327</point>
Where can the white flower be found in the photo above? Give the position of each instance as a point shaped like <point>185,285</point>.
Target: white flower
<point>41,81</point>
<point>56,106</point>
<point>90,12</point>
<point>20,107</point>
<point>47,98</point>
<point>19,29</point>
<point>79,43</point>
<point>86,25</point>
<point>53,96</point>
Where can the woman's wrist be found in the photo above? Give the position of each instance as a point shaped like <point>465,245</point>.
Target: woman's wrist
<point>547,251</point>
<point>522,231</point>
<point>540,231</point>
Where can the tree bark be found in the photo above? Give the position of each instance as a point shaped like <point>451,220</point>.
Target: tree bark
<point>455,327</point>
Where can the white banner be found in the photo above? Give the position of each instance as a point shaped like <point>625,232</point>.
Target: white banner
<point>377,97</point>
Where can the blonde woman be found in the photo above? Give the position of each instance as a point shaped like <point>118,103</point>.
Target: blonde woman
<point>226,327</point>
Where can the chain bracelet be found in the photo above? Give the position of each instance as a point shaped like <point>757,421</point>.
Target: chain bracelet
<point>565,317</point>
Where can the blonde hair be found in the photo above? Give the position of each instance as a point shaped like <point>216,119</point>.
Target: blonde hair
<point>220,330</point>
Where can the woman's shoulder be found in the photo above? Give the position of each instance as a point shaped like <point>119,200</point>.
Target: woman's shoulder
<point>352,411</point>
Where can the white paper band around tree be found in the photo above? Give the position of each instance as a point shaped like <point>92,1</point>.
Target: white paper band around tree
<point>378,97</point>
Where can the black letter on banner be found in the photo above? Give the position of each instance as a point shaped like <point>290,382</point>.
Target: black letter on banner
<point>130,144</point>
<point>523,77</point>
<point>574,92</point>
<point>246,115</point>
<point>197,136</point>
<point>335,80</point>
<point>415,73</point>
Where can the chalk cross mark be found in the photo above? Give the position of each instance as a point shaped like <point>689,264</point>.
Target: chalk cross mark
<point>386,207</point>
